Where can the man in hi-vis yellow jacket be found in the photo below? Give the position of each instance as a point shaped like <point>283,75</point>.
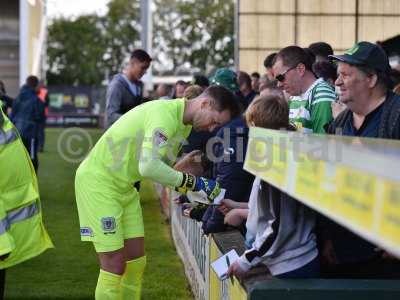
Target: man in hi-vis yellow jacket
<point>22,233</point>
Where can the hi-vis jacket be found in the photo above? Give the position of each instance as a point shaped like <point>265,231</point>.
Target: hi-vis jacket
<point>22,233</point>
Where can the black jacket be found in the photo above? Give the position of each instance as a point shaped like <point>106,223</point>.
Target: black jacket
<point>27,112</point>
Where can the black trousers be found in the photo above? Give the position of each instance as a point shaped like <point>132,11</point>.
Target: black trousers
<point>31,146</point>
<point>41,136</point>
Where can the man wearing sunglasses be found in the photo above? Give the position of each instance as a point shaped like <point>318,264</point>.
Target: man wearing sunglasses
<point>311,98</point>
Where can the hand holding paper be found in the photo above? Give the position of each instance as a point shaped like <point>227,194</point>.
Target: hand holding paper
<point>220,266</point>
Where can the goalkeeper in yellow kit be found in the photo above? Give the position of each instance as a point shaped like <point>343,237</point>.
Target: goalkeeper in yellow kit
<point>143,143</point>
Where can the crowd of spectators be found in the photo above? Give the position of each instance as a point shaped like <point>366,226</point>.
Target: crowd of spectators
<point>309,90</point>
<point>313,91</point>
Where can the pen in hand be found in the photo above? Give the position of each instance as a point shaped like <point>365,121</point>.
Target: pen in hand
<point>228,264</point>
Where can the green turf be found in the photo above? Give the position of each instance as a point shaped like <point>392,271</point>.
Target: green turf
<point>70,270</point>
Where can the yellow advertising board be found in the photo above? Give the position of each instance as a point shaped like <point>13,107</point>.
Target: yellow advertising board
<point>353,181</point>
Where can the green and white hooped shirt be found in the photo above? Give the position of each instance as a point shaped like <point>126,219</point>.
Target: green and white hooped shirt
<point>312,110</point>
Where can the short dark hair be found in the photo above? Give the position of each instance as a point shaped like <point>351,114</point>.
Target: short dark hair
<point>141,55</point>
<point>201,80</point>
<point>180,82</point>
<point>293,55</point>
<point>255,74</point>
<point>222,99</point>
<point>325,70</point>
<point>269,60</point>
<point>32,81</point>
<point>321,49</point>
<point>311,55</point>
<point>244,78</point>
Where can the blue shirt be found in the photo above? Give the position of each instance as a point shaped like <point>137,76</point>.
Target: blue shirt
<point>369,127</point>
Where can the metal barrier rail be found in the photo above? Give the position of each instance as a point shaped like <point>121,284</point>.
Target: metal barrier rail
<point>197,251</point>
<point>193,248</point>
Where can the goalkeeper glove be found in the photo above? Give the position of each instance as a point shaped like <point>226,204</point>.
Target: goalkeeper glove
<point>209,187</point>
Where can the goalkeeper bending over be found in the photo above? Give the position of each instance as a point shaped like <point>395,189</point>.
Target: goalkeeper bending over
<point>143,143</point>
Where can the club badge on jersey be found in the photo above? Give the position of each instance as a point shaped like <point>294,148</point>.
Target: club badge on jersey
<point>108,225</point>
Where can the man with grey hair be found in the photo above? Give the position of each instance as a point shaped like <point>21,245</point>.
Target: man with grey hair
<point>365,87</point>
<point>373,110</point>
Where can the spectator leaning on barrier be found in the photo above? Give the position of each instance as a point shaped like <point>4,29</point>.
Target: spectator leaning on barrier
<point>125,90</point>
<point>311,98</point>
<point>373,110</point>
<point>22,232</point>
<point>27,113</point>
<point>280,229</point>
<point>143,143</point>
<point>228,154</point>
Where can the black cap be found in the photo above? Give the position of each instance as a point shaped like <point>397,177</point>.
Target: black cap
<point>365,54</point>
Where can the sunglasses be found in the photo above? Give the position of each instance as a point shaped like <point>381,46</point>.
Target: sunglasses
<point>281,77</point>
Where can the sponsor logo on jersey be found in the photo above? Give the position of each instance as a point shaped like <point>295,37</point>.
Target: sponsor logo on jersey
<point>86,231</point>
<point>160,138</point>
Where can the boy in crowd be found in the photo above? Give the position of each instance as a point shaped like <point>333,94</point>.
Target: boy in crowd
<point>282,228</point>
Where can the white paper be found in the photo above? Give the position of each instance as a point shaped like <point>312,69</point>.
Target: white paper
<point>220,265</point>
<point>201,197</point>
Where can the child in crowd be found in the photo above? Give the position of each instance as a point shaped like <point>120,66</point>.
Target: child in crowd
<point>282,228</point>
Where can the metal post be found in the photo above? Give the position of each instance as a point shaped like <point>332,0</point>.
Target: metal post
<point>357,17</point>
<point>23,40</point>
<point>236,35</point>
<point>146,37</point>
